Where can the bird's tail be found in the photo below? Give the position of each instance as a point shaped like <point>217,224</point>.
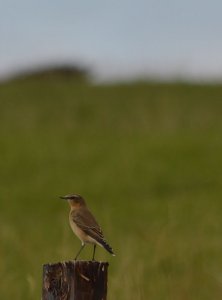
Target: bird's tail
<point>105,245</point>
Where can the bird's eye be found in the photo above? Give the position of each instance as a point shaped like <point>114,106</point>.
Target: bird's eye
<point>75,199</point>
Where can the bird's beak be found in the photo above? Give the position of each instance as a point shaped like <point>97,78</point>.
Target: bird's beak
<point>64,197</point>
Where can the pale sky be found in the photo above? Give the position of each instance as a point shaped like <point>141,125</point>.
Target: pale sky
<point>117,39</point>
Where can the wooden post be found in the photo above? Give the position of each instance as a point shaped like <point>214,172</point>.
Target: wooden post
<point>75,280</point>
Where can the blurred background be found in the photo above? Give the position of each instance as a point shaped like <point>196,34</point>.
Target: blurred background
<point>120,102</point>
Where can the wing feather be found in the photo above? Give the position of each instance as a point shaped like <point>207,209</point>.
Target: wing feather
<point>85,220</point>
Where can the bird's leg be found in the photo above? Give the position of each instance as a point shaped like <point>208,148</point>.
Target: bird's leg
<point>94,250</point>
<point>83,245</point>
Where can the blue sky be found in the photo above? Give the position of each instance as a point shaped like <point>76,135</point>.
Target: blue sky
<point>117,39</point>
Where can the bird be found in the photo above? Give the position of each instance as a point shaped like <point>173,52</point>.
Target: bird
<point>84,225</point>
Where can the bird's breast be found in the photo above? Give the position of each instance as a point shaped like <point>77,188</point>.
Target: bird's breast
<point>78,231</point>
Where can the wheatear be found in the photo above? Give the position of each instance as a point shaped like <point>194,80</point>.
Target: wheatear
<point>84,224</point>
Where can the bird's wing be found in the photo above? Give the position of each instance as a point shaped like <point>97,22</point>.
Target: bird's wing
<point>85,220</point>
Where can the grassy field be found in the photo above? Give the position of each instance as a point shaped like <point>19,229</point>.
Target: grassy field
<point>148,159</point>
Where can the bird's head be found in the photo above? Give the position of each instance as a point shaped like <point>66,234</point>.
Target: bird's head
<point>74,200</point>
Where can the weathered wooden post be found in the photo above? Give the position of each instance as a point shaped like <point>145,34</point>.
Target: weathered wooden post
<point>75,280</point>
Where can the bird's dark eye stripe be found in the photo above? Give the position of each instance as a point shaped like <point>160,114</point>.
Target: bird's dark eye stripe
<point>74,197</point>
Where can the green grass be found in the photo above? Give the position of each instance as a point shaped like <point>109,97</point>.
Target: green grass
<point>148,159</point>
